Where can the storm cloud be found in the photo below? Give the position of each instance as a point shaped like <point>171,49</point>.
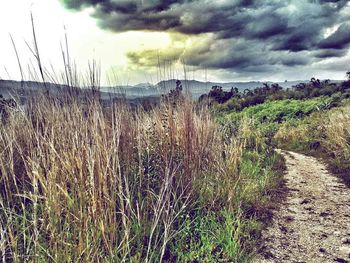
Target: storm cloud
<point>237,35</point>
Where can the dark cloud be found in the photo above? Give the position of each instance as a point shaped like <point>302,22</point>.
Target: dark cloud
<point>330,53</point>
<point>299,39</point>
<point>268,26</point>
<point>340,39</point>
<point>239,55</point>
<point>238,35</point>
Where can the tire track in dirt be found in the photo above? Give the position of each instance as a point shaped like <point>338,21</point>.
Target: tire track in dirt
<point>313,222</point>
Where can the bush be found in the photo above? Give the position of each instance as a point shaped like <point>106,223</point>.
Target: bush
<point>280,111</point>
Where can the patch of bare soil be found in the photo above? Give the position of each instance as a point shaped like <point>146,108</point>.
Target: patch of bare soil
<point>313,222</point>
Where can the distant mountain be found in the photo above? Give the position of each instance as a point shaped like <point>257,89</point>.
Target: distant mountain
<point>144,85</point>
<point>193,87</point>
<point>197,88</point>
<point>9,88</point>
<point>137,91</point>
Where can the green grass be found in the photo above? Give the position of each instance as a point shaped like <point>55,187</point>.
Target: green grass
<point>83,183</point>
<point>209,237</point>
<point>232,234</point>
<point>282,110</point>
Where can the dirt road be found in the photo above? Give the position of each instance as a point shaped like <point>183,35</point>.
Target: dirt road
<point>313,223</point>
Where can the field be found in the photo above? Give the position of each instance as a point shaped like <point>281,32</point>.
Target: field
<point>178,182</point>
<point>144,154</point>
<point>85,183</point>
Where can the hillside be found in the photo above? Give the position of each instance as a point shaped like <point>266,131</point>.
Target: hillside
<point>116,153</point>
<point>309,223</point>
<point>180,181</point>
<point>195,88</point>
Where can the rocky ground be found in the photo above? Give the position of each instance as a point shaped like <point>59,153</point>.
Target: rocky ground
<point>313,222</point>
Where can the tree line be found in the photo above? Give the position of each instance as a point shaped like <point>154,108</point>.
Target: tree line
<point>238,100</point>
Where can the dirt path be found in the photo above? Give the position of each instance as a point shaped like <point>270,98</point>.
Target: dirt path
<point>313,223</point>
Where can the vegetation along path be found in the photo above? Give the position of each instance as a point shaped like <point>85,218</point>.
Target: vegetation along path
<point>313,223</point>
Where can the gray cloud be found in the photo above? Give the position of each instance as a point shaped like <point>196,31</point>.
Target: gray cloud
<point>340,39</point>
<point>237,35</point>
<point>330,53</point>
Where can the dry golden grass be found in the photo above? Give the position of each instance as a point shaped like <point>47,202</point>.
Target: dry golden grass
<point>337,130</point>
<point>80,183</point>
<point>326,134</point>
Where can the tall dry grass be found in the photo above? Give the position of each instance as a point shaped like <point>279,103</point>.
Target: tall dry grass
<point>337,131</point>
<point>325,134</point>
<point>83,183</point>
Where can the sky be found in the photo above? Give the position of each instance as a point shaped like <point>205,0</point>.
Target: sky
<point>135,41</point>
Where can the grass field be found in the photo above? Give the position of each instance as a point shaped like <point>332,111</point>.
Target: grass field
<point>80,182</point>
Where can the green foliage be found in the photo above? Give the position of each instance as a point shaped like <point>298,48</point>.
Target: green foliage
<point>238,101</point>
<point>210,237</point>
<point>316,125</point>
<point>324,134</point>
<point>280,111</point>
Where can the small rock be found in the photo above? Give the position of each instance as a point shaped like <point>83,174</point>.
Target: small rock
<point>336,233</point>
<point>294,190</point>
<point>305,201</point>
<point>346,241</point>
<point>284,229</point>
<point>322,250</point>
<point>326,213</point>
<point>324,235</point>
<point>292,210</point>
<point>268,255</point>
<point>289,218</point>
<point>341,260</point>
<point>309,208</point>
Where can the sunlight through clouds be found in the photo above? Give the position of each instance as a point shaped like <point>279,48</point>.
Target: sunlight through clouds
<point>223,38</point>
